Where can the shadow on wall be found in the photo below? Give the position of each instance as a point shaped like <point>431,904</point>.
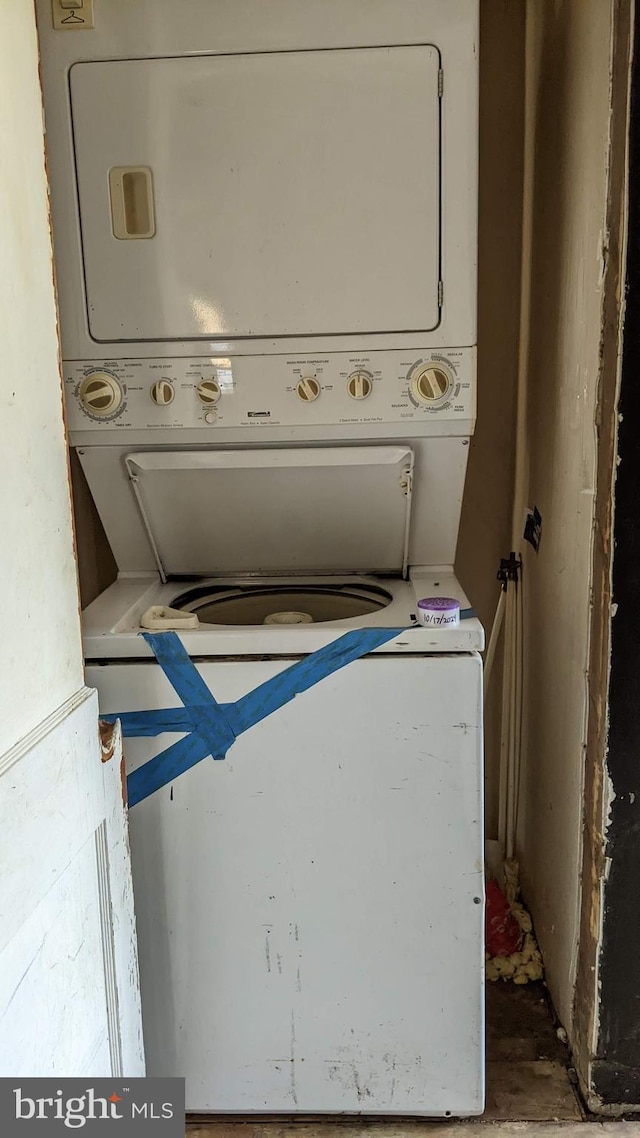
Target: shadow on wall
<point>485,533</point>
<point>96,565</point>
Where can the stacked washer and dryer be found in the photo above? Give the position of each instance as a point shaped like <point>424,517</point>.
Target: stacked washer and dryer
<point>265,236</point>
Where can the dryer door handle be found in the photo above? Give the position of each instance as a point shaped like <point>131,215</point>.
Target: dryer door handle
<point>131,194</point>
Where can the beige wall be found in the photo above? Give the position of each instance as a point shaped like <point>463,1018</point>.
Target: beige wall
<point>568,51</point>
<point>485,531</point>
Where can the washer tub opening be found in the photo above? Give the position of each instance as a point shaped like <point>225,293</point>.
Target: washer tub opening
<point>253,604</point>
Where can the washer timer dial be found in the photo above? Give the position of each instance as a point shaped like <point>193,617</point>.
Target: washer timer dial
<point>430,383</point>
<point>100,394</point>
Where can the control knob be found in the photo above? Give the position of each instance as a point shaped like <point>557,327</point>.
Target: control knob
<point>359,384</point>
<point>308,390</point>
<point>162,392</point>
<point>430,383</point>
<point>208,391</point>
<point>100,394</point>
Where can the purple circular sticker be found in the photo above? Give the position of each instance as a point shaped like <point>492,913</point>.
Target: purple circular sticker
<point>439,612</point>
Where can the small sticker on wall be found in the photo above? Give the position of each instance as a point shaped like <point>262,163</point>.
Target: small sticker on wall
<point>533,527</point>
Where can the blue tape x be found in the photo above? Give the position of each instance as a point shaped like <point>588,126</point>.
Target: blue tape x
<point>209,727</point>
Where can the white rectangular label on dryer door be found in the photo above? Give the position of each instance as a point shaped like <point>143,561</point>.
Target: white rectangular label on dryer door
<point>295,193</point>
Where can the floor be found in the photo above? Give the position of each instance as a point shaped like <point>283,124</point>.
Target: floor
<point>530,1088</point>
<point>528,1066</point>
<point>416,1130</point>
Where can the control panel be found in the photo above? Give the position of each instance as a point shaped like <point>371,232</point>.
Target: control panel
<point>262,391</point>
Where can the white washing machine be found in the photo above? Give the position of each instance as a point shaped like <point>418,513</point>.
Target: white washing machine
<point>265,235</point>
<point>309,909</point>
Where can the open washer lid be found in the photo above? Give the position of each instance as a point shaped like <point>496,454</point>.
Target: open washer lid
<point>311,510</point>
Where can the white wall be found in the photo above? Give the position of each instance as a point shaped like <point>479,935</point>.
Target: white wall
<point>40,655</point>
<point>569,46</point>
<point>69,998</point>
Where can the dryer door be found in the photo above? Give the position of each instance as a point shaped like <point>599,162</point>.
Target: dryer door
<point>271,194</point>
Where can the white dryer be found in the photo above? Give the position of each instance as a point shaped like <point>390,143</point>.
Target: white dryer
<point>298,178</point>
<point>265,236</point>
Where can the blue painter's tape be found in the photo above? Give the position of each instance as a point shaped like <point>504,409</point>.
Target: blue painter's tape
<point>209,727</point>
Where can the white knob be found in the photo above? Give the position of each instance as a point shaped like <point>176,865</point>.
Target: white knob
<point>210,416</point>
<point>308,390</point>
<point>162,392</point>
<point>359,384</point>
<point>100,394</point>
<point>430,382</point>
<point>208,391</point>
